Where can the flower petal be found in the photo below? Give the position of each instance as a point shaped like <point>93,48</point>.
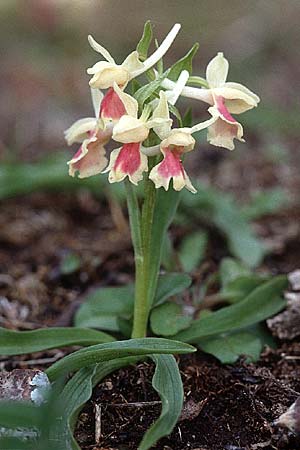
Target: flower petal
<point>237,101</point>
<point>130,129</point>
<point>106,74</point>
<point>217,70</point>
<point>161,127</point>
<point>175,93</point>
<point>89,160</point>
<point>127,161</point>
<point>80,130</point>
<point>132,62</point>
<point>224,129</point>
<point>159,53</point>
<point>179,137</point>
<point>99,49</point>
<point>112,107</point>
<point>97,97</point>
<point>171,168</point>
<point>130,104</point>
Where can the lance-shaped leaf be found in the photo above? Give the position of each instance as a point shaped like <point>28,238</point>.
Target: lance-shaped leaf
<point>167,382</point>
<point>106,352</point>
<point>165,208</point>
<point>20,342</point>
<point>146,91</point>
<point>78,391</point>
<point>145,41</point>
<point>184,63</point>
<point>261,303</point>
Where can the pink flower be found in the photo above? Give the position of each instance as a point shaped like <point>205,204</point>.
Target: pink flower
<point>178,142</point>
<point>90,158</point>
<point>131,131</point>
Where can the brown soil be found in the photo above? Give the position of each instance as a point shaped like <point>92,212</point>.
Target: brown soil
<point>226,407</point>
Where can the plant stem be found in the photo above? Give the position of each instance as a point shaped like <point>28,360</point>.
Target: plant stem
<point>140,303</point>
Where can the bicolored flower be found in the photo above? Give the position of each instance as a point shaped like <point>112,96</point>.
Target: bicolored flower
<point>131,131</point>
<point>226,98</point>
<point>90,158</point>
<point>106,73</point>
<point>178,142</point>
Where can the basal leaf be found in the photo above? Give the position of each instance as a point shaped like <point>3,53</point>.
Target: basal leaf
<point>229,347</point>
<point>185,63</point>
<point>192,250</point>
<point>260,304</point>
<point>230,269</point>
<point>106,352</point>
<point>167,319</point>
<point>20,342</point>
<point>167,383</point>
<point>242,286</point>
<point>170,284</point>
<point>103,306</point>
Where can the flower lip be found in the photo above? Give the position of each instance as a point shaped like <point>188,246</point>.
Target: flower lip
<point>179,137</point>
<point>130,129</point>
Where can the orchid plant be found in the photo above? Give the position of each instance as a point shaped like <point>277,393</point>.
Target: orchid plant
<point>150,139</point>
<point>142,122</point>
<point>153,145</point>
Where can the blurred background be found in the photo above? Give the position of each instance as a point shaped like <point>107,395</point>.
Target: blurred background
<point>44,89</point>
<point>44,86</point>
<point>61,237</point>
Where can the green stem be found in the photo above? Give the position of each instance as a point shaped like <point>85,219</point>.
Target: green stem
<point>140,303</point>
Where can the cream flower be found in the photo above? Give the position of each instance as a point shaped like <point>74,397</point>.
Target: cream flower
<point>226,98</point>
<point>90,158</point>
<point>106,73</point>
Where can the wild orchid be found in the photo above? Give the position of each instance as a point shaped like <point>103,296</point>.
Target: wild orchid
<point>154,139</point>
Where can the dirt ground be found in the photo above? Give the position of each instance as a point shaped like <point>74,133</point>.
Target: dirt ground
<point>226,407</point>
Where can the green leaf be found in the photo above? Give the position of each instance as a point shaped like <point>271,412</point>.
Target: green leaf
<point>79,390</point>
<point>229,347</point>
<point>105,352</point>
<point>237,281</point>
<point>187,120</point>
<point>167,383</point>
<point>192,250</point>
<point>145,41</point>
<point>185,63</point>
<point>20,342</point>
<point>146,91</point>
<point>168,258</point>
<point>165,208</point>
<point>170,284</point>
<point>102,307</point>
<point>167,319</point>
<point>230,269</point>
<point>221,210</point>
<point>260,304</point>
<point>70,264</point>
<point>239,288</point>
<point>266,202</point>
